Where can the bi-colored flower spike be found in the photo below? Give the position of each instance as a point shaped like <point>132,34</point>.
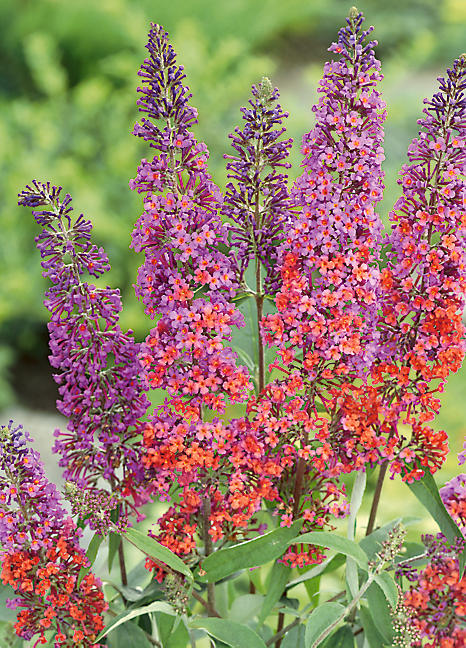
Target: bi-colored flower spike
<point>423,285</point>
<point>257,198</point>
<point>186,280</point>
<point>453,495</point>
<point>97,364</point>
<point>328,303</point>
<point>437,596</point>
<point>187,276</point>
<point>334,243</point>
<point>40,553</point>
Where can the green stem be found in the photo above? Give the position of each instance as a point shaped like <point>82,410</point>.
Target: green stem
<point>376,499</point>
<point>206,507</point>
<point>279,633</point>
<point>282,633</point>
<point>325,633</point>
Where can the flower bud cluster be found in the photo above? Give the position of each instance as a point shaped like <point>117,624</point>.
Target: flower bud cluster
<point>95,507</point>
<point>405,632</point>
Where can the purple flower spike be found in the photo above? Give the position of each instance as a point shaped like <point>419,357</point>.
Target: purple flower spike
<point>257,199</point>
<point>97,365</point>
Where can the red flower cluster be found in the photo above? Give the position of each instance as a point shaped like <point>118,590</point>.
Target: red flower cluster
<point>46,582</point>
<point>41,556</point>
<point>438,597</point>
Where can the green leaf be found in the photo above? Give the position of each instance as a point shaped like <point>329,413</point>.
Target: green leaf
<point>127,615</point>
<point>295,637</point>
<point>172,633</point>
<point>427,493</point>
<point>279,575</point>
<point>128,636</point>
<point>91,554</point>
<point>113,543</point>
<point>359,486</point>
<point>252,553</point>
<point>371,634</point>
<point>154,549</point>
<point>312,587</point>
<point>342,638</point>
<point>319,620</point>
<point>357,493</point>
<point>230,632</point>
<point>325,567</point>
<point>335,542</point>
<point>387,585</point>
<point>246,607</point>
<point>8,636</point>
<point>380,611</point>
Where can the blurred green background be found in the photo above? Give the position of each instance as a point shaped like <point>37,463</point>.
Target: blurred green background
<point>68,104</point>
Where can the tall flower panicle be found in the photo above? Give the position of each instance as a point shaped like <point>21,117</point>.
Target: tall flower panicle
<point>257,198</point>
<point>97,364</point>
<point>40,552</point>
<point>187,275</point>
<point>327,305</point>
<point>187,280</point>
<point>423,284</point>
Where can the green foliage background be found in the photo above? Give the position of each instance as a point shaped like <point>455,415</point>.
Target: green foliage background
<point>68,104</point>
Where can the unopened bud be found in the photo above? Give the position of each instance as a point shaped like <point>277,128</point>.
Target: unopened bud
<point>265,89</point>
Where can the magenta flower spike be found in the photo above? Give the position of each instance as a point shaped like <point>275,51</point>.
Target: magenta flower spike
<point>187,278</point>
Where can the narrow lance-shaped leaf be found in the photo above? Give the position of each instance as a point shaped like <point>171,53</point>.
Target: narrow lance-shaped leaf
<point>427,493</point>
<point>277,583</point>
<point>249,554</point>
<point>154,549</point>
<point>388,586</point>
<point>337,543</point>
<point>91,554</point>
<point>127,615</point>
<point>357,493</point>
<point>319,620</point>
